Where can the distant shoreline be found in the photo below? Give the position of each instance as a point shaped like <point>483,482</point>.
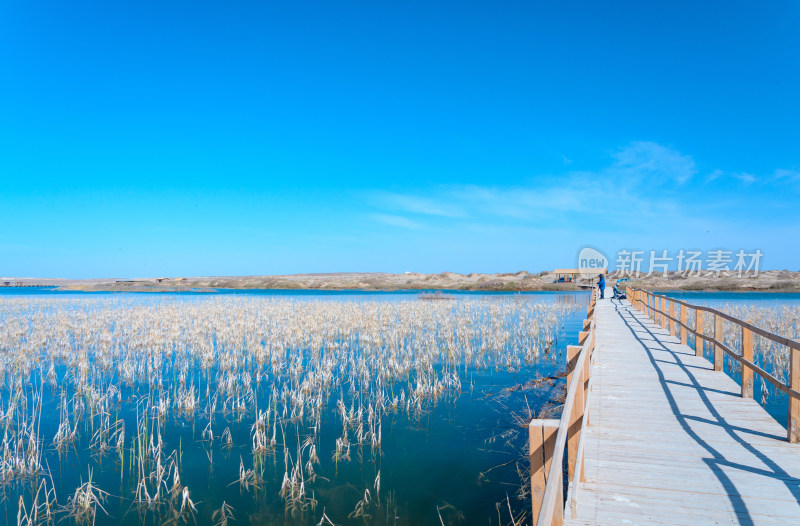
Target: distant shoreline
<point>522,281</point>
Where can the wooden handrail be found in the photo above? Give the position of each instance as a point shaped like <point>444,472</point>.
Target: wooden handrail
<point>757,330</point>
<point>547,507</point>
<point>572,491</point>
<point>641,299</point>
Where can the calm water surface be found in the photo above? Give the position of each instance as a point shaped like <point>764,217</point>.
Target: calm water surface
<point>462,456</point>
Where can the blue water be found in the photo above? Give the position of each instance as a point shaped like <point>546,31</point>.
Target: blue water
<point>296,293</point>
<point>461,456</point>
<point>769,299</point>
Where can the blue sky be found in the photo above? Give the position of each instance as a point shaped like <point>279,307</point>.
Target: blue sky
<point>198,138</point>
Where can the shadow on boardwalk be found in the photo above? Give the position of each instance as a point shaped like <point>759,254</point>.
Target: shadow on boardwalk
<point>672,442</point>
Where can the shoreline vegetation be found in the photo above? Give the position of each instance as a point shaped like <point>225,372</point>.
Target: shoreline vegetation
<point>522,281</point>
<point>154,398</point>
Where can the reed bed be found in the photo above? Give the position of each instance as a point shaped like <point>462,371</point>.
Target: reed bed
<point>135,384</point>
<point>773,357</point>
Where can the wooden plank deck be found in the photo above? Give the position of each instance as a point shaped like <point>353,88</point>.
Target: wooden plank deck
<point>670,441</point>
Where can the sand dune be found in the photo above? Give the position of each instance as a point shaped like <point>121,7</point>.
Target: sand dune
<point>773,280</point>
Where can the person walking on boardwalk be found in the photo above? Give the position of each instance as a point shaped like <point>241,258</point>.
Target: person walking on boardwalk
<point>602,285</point>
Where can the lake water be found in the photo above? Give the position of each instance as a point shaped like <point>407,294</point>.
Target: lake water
<point>459,455</point>
<point>715,299</point>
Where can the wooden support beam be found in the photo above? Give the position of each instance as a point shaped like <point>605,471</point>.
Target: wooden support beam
<point>575,422</point>
<point>747,354</point>
<point>541,442</point>
<point>587,372</point>
<point>671,315</point>
<point>683,329</point>
<point>656,308</point>
<point>718,336</point>
<point>661,307</point>
<point>794,403</point>
<point>698,327</point>
<point>653,308</point>
<point>659,304</point>
<point>572,357</point>
<point>663,315</point>
<point>587,366</point>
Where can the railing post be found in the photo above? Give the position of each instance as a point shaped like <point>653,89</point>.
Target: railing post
<point>698,327</point>
<point>718,337</point>
<point>747,354</point>
<point>575,418</point>
<point>587,363</point>
<point>794,403</point>
<point>661,309</point>
<point>655,308</point>
<point>572,357</point>
<point>587,373</point>
<point>578,410</point>
<point>541,445</point>
<point>671,322</point>
<point>683,329</point>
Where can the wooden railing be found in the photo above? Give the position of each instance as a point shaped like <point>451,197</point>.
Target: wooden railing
<point>662,309</point>
<point>549,437</point>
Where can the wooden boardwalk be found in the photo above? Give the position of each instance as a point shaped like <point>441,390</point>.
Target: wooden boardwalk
<point>670,441</point>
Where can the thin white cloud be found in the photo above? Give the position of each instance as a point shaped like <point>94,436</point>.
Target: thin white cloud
<point>743,177</point>
<point>398,221</point>
<point>654,162</point>
<point>642,186</point>
<point>521,202</point>
<point>415,204</point>
<point>787,175</point>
